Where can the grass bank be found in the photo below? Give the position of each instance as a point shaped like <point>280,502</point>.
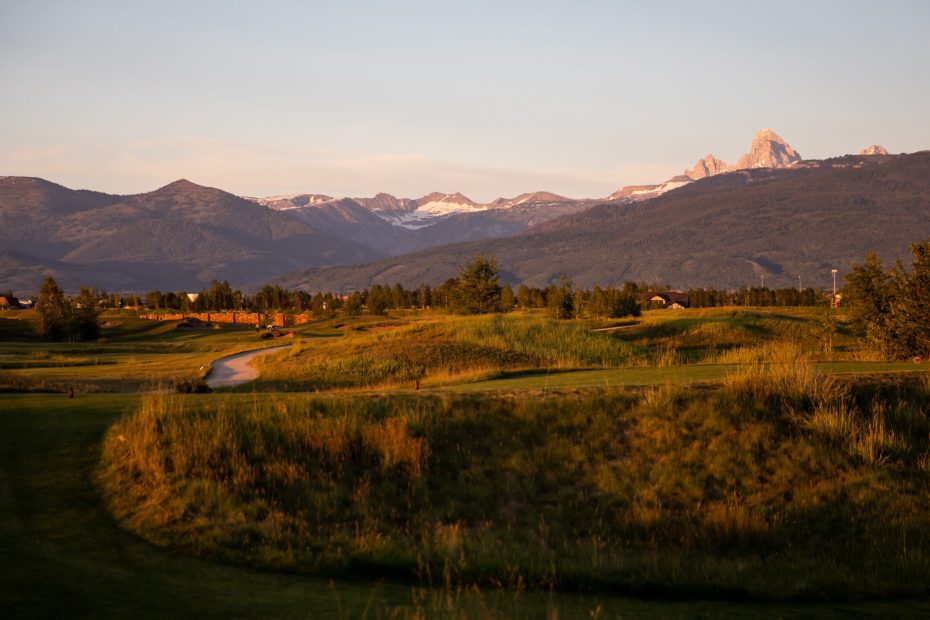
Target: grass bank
<point>438,351</point>
<point>780,484</point>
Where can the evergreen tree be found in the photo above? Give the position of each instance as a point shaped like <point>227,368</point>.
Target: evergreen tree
<point>507,298</point>
<point>623,303</point>
<point>424,296</point>
<point>54,311</point>
<point>399,297</point>
<point>153,300</point>
<point>353,305</point>
<point>866,293</point>
<point>561,299</point>
<point>478,288</point>
<point>83,323</point>
<point>378,299</point>
<point>906,328</point>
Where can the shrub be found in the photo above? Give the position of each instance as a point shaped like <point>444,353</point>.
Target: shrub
<point>192,386</point>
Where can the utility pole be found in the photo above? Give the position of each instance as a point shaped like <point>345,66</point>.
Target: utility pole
<point>799,283</point>
<point>834,286</point>
<point>762,278</point>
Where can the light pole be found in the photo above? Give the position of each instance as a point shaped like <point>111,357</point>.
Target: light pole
<point>799,284</point>
<point>833,271</point>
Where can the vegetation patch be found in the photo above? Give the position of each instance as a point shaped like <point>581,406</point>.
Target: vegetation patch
<point>780,484</point>
<point>439,350</point>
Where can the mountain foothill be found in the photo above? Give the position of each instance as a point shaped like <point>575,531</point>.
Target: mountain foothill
<point>770,215</point>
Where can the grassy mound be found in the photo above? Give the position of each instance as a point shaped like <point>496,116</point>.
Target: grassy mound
<point>439,350</point>
<point>780,484</point>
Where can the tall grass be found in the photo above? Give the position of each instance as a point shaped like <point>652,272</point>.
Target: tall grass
<point>675,487</point>
<point>445,350</point>
<point>789,380</point>
<point>557,344</point>
<point>871,437</point>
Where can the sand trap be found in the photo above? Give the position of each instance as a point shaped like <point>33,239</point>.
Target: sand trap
<point>237,369</point>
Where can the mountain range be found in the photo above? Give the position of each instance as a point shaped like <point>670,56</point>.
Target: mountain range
<point>177,237</point>
<point>725,230</point>
<point>399,225</point>
<point>701,227</point>
<point>767,150</point>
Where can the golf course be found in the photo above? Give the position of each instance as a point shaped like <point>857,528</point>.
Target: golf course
<point>750,462</point>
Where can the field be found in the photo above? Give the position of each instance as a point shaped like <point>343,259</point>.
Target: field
<point>715,463</point>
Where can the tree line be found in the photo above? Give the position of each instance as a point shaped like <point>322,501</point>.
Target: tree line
<point>477,289</point>
<point>891,308</point>
<point>755,296</point>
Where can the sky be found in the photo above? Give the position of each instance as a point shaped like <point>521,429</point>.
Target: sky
<point>486,98</point>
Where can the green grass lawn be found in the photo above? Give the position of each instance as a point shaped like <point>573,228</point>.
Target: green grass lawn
<point>132,355</point>
<point>555,379</point>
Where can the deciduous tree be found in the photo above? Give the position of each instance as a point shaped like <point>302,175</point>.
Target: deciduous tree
<point>478,288</point>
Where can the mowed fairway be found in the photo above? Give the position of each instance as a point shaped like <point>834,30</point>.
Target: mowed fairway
<point>64,555</point>
<point>132,354</point>
<point>647,376</point>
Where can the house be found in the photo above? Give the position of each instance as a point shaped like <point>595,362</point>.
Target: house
<point>671,300</point>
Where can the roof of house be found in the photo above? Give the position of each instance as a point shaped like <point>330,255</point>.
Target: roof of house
<point>668,297</point>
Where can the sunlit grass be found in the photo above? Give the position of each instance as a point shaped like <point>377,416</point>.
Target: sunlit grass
<point>604,488</point>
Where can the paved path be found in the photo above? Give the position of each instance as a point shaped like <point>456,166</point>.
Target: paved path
<point>237,369</point>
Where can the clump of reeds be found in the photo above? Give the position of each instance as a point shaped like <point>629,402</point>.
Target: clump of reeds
<point>558,344</point>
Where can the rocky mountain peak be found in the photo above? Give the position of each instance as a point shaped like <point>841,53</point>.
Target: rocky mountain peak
<point>875,149</point>
<point>528,197</point>
<point>768,150</point>
<point>456,199</point>
<point>706,167</point>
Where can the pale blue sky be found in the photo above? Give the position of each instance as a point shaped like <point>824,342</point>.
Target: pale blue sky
<point>486,98</point>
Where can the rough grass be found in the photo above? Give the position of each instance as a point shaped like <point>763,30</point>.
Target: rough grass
<point>730,335</point>
<point>753,489</point>
<point>439,351</point>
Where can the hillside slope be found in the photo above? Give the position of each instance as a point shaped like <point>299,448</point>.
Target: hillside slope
<point>725,230</point>
<point>397,226</point>
<point>180,236</point>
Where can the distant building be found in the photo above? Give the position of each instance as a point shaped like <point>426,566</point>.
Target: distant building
<point>671,300</point>
<point>193,297</point>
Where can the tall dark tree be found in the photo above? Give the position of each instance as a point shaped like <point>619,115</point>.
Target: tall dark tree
<point>54,311</point>
<point>561,299</point>
<point>379,299</point>
<point>84,323</point>
<point>507,298</point>
<point>153,300</point>
<point>867,292</point>
<point>906,328</point>
<point>353,305</point>
<point>478,289</point>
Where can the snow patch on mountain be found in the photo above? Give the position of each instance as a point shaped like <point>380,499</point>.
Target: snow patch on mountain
<point>291,201</point>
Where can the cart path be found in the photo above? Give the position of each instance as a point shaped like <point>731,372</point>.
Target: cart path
<point>237,369</point>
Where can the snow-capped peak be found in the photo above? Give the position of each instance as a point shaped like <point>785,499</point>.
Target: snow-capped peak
<point>291,201</point>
